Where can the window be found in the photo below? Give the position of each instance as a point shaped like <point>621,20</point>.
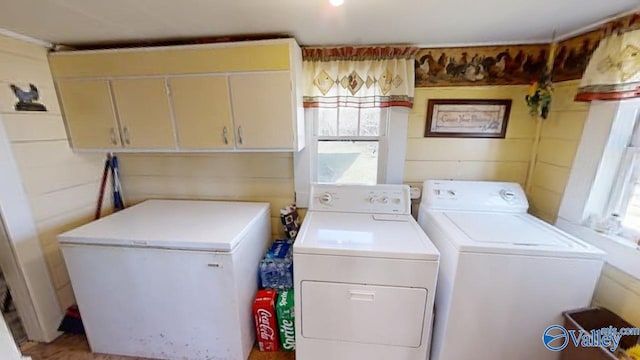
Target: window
<point>349,145</point>
<point>625,200</point>
<point>603,191</point>
<point>601,175</point>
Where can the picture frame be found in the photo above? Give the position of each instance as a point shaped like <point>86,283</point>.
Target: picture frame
<point>467,118</point>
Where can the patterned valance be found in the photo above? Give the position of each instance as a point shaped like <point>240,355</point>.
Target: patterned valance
<point>613,72</point>
<point>358,76</point>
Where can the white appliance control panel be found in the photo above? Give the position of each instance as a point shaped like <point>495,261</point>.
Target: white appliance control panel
<point>372,199</point>
<point>474,196</point>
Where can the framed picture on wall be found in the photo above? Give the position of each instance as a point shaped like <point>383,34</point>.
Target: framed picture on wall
<point>474,118</point>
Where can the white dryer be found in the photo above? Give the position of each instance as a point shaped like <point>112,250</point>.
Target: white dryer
<point>505,276</point>
<point>365,276</point>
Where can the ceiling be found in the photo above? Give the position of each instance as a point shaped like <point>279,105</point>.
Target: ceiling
<point>312,22</point>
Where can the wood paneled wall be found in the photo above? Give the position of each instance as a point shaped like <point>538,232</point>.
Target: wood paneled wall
<point>559,140</point>
<point>620,293</point>
<point>467,158</point>
<point>62,186</point>
<point>261,177</point>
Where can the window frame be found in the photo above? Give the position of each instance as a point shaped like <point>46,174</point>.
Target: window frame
<point>623,188</point>
<point>627,177</point>
<point>383,143</point>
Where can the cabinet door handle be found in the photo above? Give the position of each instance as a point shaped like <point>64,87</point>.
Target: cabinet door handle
<point>114,139</point>
<point>225,135</point>
<point>240,135</point>
<point>126,136</point>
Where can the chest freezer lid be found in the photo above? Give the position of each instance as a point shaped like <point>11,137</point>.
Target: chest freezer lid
<point>364,235</point>
<point>172,224</point>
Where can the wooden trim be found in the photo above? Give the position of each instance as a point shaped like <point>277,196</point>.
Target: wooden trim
<point>196,59</point>
<point>193,46</point>
<point>33,291</point>
<point>25,38</point>
<point>363,105</point>
<point>591,96</point>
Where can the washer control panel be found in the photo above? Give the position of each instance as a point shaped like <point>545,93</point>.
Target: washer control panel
<point>474,196</point>
<point>373,199</point>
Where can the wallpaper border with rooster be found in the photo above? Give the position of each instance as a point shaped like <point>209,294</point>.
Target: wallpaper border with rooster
<point>478,66</point>
<point>573,55</point>
<point>503,65</point>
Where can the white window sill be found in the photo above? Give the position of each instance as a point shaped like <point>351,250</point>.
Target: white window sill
<point>621,254</point>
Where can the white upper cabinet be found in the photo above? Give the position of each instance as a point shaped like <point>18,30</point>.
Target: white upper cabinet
<point>262,108</point>
<point>202,112</point>
<point>221,97</point>
<point>89,114</point>
<point>144,113</point>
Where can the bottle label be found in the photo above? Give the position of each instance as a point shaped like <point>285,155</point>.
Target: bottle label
<point>286,320</point>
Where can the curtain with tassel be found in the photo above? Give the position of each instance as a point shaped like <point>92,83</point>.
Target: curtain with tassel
<point>361,77</point>
<point>613,73</point>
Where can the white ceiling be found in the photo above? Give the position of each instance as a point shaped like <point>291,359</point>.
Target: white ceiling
<point>312,22</point>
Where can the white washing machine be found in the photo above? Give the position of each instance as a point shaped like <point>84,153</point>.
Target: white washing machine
<point>505,276</point>
<point>365,276</point>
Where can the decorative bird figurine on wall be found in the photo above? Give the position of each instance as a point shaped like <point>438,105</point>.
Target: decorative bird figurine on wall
<point>27,100</point>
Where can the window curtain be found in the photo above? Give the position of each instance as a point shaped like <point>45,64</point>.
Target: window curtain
<point>361,77</point>
<point>613,73</point>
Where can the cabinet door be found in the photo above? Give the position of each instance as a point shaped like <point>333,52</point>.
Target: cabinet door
<point>88,112</point>
<point>202,112</point>
<point>144,113</point>
<point>263,110</point>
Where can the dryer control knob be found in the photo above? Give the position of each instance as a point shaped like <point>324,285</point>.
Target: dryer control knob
<point>384,200</point>
<point>326,198</point>
<point>373,199</point>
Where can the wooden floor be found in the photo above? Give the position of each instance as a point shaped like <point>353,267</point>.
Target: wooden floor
<point>75,347</point>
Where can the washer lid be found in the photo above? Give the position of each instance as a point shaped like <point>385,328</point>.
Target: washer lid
<point>504,228</point>
<point>503,233</point>
<point>366,235</point>
<point>172,224</point>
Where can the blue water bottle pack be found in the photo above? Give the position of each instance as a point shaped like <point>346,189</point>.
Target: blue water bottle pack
<point>276,268</point>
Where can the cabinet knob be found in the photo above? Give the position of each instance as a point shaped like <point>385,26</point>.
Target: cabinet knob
<point>126,136</point>
<point>114,139</point>
<point>240,135</point>
<point>225,136</point>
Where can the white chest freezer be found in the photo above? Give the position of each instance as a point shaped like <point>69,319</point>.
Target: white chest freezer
<point>170,279</point>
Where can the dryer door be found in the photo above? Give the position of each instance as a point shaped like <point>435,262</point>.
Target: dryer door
<point>384,315</point>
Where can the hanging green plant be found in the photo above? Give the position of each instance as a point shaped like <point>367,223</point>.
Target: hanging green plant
<point>539,95</point>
